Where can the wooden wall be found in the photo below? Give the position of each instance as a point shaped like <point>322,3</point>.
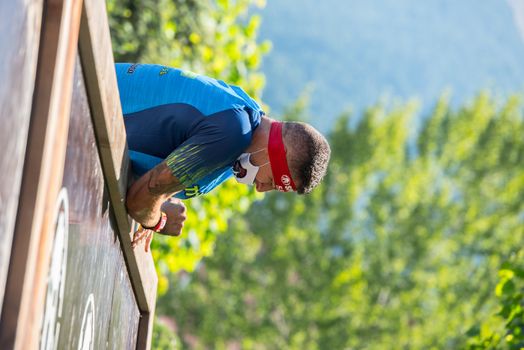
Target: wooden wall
<point>19,48</point>
<point>68,275</point>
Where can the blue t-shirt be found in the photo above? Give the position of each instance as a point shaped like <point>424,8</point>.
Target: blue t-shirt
<point>199,125</point>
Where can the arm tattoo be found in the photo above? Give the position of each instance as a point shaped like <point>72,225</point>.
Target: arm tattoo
<point>161,181</point>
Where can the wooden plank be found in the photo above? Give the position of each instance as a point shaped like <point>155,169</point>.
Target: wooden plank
<point>145,330</point>
<point>89,274</point>
<point>98,66</point>
<point>19,47</point>
<point>145,326</point>
<point>41,182</point>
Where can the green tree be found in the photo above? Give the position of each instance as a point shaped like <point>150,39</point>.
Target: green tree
<point>505,328</point>
<point>398,249</point>
<point>218,38</point>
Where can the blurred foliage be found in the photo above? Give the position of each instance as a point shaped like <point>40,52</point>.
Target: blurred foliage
<point>412,242</point>
<point>505,329</point>
<point>216,38</point>
<point>164,338</point>
<point>399,248</point>
<point>207,218</point>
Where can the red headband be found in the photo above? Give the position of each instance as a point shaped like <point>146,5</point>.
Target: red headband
<point>277,159</point>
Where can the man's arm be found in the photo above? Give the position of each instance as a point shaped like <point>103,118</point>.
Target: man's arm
<point>146,196</point>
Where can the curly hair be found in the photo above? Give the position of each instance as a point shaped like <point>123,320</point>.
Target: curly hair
<point>308,155</point>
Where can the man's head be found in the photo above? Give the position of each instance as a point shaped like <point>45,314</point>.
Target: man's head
<point>307,155</point>
<point>306,151</point>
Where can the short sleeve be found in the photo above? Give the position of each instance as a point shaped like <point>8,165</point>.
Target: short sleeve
<point>214,143</point>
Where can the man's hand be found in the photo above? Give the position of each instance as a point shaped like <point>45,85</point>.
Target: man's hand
<point>140,235</point>
<point>176,215</point>
<point>146,198</point>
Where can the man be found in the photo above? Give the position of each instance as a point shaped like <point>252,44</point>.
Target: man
<point>188,133</point>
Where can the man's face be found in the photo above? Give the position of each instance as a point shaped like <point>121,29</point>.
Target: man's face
<point>264,180</point>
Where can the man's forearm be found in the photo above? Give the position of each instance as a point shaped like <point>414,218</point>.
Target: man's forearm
<point>146,195</point>
<point>145,209</point>
<point>148,217</point>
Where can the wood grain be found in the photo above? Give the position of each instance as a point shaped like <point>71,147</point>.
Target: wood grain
<point>19,47</point>
<point>102,90</point>
<point>41,181</point>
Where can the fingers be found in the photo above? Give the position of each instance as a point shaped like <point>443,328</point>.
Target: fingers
<point>137,237</point>
<point>183,209</point>
<point>178,206</point>
<point>149,238</point>
<point>181,215</point>
<point>140,235</point>
<point>176,215</point>
<point>178,229</point>
<point>176,201</point>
